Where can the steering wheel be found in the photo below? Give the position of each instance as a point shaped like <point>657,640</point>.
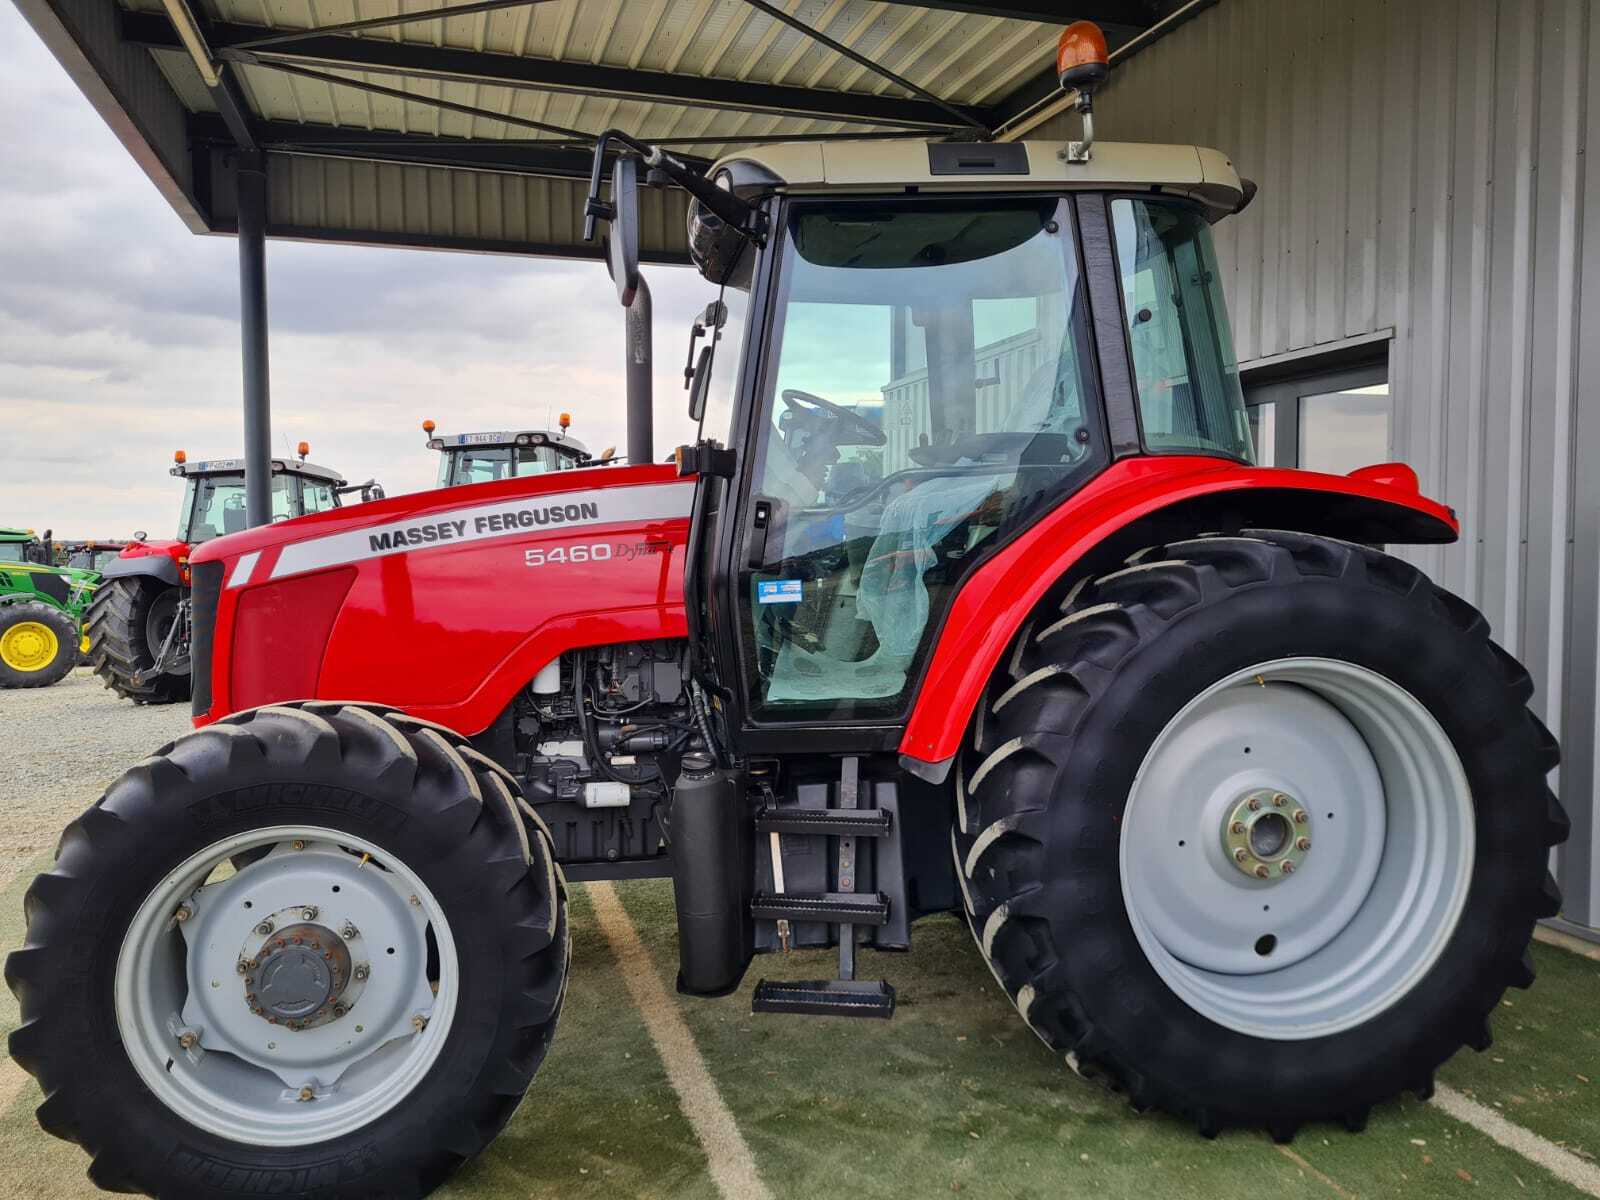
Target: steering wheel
<point>858,430</point>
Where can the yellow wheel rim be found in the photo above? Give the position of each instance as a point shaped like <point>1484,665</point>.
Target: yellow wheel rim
<point>29,646</point>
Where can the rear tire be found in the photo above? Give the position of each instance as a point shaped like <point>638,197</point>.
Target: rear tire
<point>1072,753</point>
<point>38,645</point>
<point>121,641</point>
<point>389,806</point>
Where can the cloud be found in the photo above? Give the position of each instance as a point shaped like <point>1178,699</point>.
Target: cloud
<point>119,336</point>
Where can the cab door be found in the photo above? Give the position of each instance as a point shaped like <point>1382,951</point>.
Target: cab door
<point>926,387</point>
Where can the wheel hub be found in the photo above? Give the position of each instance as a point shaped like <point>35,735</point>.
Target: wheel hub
<point>299,976</point>
<point>28,646</point>
<point>1267,834</point>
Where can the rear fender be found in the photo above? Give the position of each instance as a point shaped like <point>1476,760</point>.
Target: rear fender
<point>1140,502</point>
<point>160,560</point>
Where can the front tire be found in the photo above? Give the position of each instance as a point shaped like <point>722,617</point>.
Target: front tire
<point>38,645</point>
<point>312,948</point>
<point>126,625</point>
<point>1133,901</point>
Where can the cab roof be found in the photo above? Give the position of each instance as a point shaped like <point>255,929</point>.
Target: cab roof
<point>10,534</point>
<point>280,466</point>
<point>502,438</point>
<point>875,166</point>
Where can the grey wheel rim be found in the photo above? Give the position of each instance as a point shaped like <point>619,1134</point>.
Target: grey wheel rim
<point>287,1003</point>
<point>1297,848</point>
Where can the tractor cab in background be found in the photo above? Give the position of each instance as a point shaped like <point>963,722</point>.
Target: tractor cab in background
<point>508,454</point>
<point>138,627</point>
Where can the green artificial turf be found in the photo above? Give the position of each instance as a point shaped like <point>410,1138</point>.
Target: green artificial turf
<point>954,1096</point>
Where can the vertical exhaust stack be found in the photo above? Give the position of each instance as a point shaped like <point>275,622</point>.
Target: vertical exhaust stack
<point>639,330</point>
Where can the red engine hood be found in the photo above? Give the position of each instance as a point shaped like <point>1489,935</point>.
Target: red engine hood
<point>446,603</point>
<point>420,504</point>
<point>156,548</point>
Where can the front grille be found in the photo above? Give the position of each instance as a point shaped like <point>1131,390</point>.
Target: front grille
<point>204,595</point>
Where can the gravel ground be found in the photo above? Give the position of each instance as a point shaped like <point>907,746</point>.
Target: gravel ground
<point>59,748</point>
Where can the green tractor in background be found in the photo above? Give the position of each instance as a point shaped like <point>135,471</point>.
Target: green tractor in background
<point>42,608</point>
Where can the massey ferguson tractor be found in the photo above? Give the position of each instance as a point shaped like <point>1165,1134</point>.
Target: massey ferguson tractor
<point>507,454</point>
<point>138,626</point>
<point>992,614</point>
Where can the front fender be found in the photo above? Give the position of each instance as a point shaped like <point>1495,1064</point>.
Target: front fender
<point>158,560</point>
<point>1135,503</point>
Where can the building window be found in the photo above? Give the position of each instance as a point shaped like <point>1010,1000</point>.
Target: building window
<point>1329,420</point>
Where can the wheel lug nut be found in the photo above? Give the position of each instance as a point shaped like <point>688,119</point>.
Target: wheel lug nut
<point>1236,827</point>
<point>1240,854</point>
<point>299,845</point>
<point>265,928</point>
<point>415,903</point>
<point>362,971</point>
<point>242,966</point>
<point>184,913</point>
<point>309,912</point>
<point>188,1041</point>
<point>1287,868</point>
<point>1303,844</point>
<point>1255,803</point>
<point>349,931</point>
<point>419,1022</point>
<point>339,1010</point>
<point>1300,817</point>
<point>1279,800</point>
<point>1262,871</point>
<point>305,1092</point>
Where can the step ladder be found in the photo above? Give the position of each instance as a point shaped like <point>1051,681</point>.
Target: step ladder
<point>845,909</point>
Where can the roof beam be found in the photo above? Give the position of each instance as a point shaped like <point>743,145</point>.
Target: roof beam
<point>1109,14</point>
<point>541,74</point>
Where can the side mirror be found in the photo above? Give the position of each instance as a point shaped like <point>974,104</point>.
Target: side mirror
<point>622,242</point>
<point>700,384</point>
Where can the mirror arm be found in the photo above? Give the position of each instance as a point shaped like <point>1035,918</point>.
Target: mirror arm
<point>730,208</point>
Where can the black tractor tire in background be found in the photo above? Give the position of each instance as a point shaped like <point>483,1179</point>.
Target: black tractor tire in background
<point>57,622</point>
<point>429,800</point>
<point>1062,734</point>
<point>118,626</point>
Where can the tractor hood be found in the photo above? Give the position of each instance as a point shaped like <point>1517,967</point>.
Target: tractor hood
<point>446,602</point>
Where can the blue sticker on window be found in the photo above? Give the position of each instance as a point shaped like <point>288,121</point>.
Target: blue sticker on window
<point>778,591</point>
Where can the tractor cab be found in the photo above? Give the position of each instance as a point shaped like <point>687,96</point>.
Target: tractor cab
<point>943,343</point>
<point>507,454</point>
<point>213,494</point>
<point>22,546</point>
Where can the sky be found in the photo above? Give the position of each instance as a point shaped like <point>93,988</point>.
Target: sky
<point>119,334</point>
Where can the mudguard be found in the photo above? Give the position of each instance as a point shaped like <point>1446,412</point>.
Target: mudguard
<point>1134,503</point>
<point>445,603</point>
<point>161,559</point>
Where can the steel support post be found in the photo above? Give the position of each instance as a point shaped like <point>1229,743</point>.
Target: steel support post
<point>251,180</point>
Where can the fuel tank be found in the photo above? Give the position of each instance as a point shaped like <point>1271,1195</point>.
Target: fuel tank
<point>445,603</point>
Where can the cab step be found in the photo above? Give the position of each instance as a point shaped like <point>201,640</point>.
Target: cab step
<point>826,822</point>
<point>835,908</point>
<point>825,998</point>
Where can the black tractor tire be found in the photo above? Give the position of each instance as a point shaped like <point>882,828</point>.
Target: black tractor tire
<point>119,640</point>
<point>1062,732</point>
<point>35,612</point>
<point>419,792</point>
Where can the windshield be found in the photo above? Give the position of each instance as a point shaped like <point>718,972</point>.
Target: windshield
<point>931,387</point>
<point>12,552</point>
<point>483,464</point>
<point>1189,395</point>
<point>214,505</point>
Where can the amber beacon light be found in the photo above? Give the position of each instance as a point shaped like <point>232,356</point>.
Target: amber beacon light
<point>1083,65</point>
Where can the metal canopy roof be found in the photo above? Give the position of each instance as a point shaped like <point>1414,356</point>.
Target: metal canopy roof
<point>468,126</point>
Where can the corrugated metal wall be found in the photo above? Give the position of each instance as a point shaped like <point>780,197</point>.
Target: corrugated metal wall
<point>1430,166</point>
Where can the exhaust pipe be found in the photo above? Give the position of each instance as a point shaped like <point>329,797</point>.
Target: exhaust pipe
<point>637,328</point>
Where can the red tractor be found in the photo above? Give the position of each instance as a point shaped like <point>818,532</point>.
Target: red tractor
<point>138,626</point>
<point>970,600</point>
<point>507,454</point>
